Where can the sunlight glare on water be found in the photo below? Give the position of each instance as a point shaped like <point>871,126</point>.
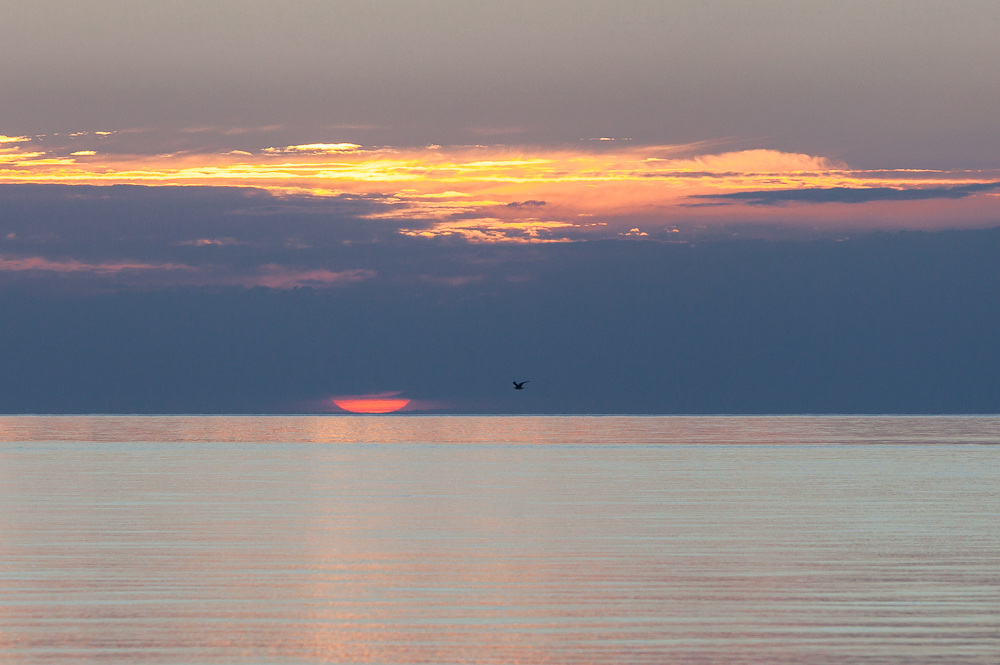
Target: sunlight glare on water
<point>444,539</point>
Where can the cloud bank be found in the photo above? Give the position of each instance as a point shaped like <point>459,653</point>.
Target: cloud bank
<point>538,194</point>
<point>853,195</point>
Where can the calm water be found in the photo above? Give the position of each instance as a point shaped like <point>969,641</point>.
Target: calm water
<point>499,540</point>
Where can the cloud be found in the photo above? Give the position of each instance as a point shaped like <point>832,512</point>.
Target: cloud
<point>32,263</point>
<point>317,148</point>
<point>14,157</point>
<point>219,242</point>
<point>851,194</point>
<point>275,276</point>
<point>445,191</point>
<point>272,275</point>
<point>128,236</point>
<point>493,230</point>
<point>761,161</point>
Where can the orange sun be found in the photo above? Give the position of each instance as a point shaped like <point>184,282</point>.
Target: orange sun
<point>371,404</point>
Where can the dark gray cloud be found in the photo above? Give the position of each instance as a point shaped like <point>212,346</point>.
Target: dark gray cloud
<point>126,237</point>
<point>848,194</point>
<point>81,238</point>
<point>132,235</point>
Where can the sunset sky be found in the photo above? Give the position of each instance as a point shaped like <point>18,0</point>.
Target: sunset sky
<point>434,149</point>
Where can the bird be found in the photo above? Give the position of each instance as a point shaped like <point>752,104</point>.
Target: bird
<point>520,386</point>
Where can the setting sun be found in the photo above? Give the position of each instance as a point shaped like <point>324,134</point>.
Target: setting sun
<point>371,404</point>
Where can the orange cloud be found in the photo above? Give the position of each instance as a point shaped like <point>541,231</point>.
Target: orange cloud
<point>483,193</point>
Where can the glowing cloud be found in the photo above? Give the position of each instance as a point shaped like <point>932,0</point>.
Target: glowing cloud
<point>316,148</point>
<point>493,230</point>
<point>510,194</point>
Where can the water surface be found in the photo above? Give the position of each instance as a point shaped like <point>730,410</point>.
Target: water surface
<point>499,539</point>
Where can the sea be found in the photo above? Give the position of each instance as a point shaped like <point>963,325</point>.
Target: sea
<point>499,539</point>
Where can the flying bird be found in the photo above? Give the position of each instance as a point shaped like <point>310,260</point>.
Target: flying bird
<point>520,386</point>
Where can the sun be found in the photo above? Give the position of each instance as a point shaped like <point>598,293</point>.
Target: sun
<point>371,404</point>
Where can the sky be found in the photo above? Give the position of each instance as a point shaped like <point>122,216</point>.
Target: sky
<point>391,158</point>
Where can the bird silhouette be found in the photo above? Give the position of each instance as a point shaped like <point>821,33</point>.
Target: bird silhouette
<point>520,386</point>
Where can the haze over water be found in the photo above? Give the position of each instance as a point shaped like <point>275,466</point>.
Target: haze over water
<point>499,539</point>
